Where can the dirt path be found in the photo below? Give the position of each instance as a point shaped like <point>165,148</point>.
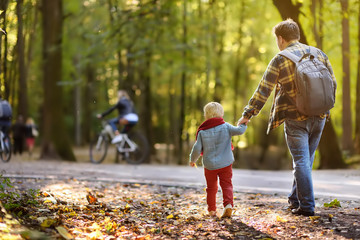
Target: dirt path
<point>74,209</point>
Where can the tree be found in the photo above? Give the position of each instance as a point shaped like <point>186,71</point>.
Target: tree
<point>22,88</point>
<point>4,50</point>
<point>357,112</point>
<point>347,143</point>
<point>55,141</point>
<point>183,82</point>
<point>330,152</point>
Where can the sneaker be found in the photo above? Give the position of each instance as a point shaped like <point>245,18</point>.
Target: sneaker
<point>212,213</point>
<point>293,205</point>
<point>227,211</point>
<point>116,139</point>
<point>299,211</point>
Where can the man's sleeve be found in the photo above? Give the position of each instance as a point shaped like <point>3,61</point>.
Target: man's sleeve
<point>263,91</point>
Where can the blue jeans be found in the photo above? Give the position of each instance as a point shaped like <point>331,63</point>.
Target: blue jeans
<point>114,121</point>
<point>303,138</point>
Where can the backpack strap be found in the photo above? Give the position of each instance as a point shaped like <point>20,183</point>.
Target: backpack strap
<point>313,51</point>
<point>286,53</point>
<point>290,56</point>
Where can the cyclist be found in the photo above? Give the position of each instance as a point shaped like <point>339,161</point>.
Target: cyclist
<point>5,116</point>
<point>127,115</point>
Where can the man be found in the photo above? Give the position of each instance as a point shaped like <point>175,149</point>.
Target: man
<point>302,132</point>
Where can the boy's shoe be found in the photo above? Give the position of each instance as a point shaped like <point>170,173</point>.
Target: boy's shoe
<point>116,139</point>
<point>227,211</point>
<point>212,213</point>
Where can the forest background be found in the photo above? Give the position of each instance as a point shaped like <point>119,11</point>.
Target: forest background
<point>62,62</point>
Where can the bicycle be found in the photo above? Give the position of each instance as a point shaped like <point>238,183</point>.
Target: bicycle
<point>133,147</point>
<point>5,147</point>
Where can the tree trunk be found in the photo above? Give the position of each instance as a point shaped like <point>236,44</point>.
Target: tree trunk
<point>78,107</point>
<point>89,106</point>
<point>22,87</point>
<point>347,143</point>
<point>171,135</point>
<point>147,100</point>
<point>329,149</point>
<point>55,141</point>
<point>316,10</point>
<point>237,68</point>
<point>330,156</point>
<point>183,85</point>
<point>357,112</point>
<point>288,10</point>
<point>3,57</point>
<point>120,65</point>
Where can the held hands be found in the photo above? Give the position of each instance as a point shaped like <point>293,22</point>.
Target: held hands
<point>243,120</point>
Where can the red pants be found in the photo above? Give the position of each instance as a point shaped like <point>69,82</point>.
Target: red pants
<point>225,177</point>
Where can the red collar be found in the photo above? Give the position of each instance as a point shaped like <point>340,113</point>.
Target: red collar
<point>210,123</point>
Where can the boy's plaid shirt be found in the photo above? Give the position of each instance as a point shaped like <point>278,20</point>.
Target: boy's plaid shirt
<point>280,75</point>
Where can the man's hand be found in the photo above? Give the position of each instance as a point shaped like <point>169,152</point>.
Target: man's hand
<point>243,120</point>
<point>192,164</point>
<point>99,116</point>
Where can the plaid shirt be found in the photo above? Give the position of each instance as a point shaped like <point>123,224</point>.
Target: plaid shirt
<point>280,75</point>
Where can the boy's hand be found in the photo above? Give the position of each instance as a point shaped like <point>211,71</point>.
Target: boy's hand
<point>192,164</point>
<point>243,120</point>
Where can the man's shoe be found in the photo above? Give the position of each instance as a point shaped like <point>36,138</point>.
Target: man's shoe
<point>293,206</point>
<point>299,211</point>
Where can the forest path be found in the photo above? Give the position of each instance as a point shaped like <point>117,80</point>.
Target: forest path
<point>341,184</point>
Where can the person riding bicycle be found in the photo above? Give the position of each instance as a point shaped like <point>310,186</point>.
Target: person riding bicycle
<point>127,115</point>
<point>5,116</point>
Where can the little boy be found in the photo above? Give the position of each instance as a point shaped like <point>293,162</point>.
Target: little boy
<point>213,142</point>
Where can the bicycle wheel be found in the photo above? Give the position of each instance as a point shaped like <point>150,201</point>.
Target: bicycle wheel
<point>142,149</point>
<point>5,154</point>
<point>98,148</point>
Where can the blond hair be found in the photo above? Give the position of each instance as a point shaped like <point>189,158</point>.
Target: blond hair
<point>213,110</point>
<point>123,93</point>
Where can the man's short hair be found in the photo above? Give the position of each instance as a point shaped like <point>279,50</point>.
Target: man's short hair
<point>288,30</point>
<point>213,110</point>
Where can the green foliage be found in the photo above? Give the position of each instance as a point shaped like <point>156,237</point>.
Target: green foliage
<point>12,200</point>
<point>333,204</point>
<point>8,197</point>
<point>5,183</point>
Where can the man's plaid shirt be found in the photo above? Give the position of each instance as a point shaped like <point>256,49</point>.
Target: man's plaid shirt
<point>280,75</point>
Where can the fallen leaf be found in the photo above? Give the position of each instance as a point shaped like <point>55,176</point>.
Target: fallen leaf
<point>314,218</point>
<point>96,235</point>
<point>48,222</point>
<point>280,219</point>
<point>64,233</point>
<point>91,198</point>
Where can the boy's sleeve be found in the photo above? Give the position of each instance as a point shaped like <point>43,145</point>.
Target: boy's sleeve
<point>196,150</point>
<point>238,130</point>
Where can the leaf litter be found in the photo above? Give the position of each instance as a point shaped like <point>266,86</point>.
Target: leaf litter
<point>75,209</point>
